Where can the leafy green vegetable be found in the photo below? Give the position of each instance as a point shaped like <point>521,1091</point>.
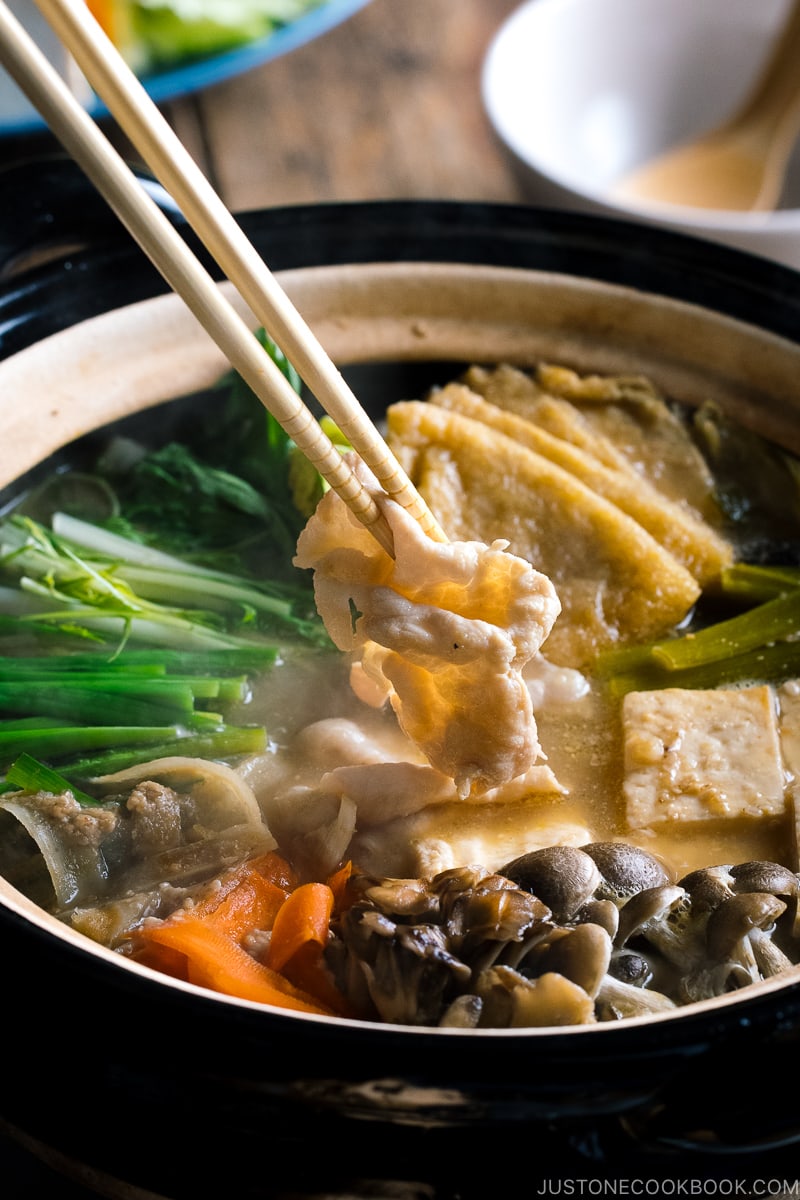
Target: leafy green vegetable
<point>222,496</point>
<point>106,583</point>
<point>228,741</point>
<point>28,775</point>
<point>202,513</point>
<point>760,643</point>
<point>171,32</point>
<point>146,661</point>
<point>169,634</point>
<point>60,742</point>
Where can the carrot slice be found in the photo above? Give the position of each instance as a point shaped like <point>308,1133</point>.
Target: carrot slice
<point>276,869</point>
<point>299,937</point>
<point>204,944</point>
<point>161,958</point>
<point>270,880</point>
<point>215,961</point>
<point>304,917</point>
<point>103,13</point>
<point>252,904</point>
<point>338,884</point>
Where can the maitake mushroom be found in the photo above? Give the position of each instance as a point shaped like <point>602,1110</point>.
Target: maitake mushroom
<point>561,936</point>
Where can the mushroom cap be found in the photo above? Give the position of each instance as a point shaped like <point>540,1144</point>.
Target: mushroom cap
<point>512,1001</point>
<point>562,877</point>
<point>600,912</point>
<point>625,869</point>
<point>760,876</point>
<point>581,954</point>
<point>708,887</point>
<point>736,918</point>
<point>644,907</point>
<point>627,966</point>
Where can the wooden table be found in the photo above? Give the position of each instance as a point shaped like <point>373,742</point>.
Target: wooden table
<point>385,106</point>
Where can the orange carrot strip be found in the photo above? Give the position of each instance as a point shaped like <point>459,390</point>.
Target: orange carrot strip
<point>304,917</point>
<point>253,904</point>
<point>276,869</point>
<point>338,884</point>
<point>308,972</point>
<point>217,962</point>
<point>162,958</point>
<point>103,13</point>
<point>267,868</point>
<point>299,937</point>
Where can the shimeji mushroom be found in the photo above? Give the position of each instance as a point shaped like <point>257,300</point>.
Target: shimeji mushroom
<point>604,913</point>
<point>664,918</point>
<point>740,905</point>
<point>770,877</point>
<point>708,887</point>
<point>739,934</point>
<point>631,967</point>
<point>563,877</point>
<point>617,999</point>
<point>625,870</point>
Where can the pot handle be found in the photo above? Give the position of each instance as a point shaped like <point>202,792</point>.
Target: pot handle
<point>49,208</point>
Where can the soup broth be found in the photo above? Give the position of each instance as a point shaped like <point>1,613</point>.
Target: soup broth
<point>651,531</point>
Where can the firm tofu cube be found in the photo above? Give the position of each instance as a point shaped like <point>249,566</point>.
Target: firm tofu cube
<point>789,708</point>
<point>702,756</point>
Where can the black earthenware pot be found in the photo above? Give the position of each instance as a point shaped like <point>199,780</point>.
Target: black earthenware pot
<point>134,1083</point>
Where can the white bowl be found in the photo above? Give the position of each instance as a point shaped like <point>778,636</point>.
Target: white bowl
<point>582,92</point>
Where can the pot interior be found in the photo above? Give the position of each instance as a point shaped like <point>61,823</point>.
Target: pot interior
<point>395,329</point>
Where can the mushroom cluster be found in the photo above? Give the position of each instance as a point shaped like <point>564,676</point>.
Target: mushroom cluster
<point>561,936</point>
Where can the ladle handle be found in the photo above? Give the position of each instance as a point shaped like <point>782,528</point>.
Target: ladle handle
<point>776,94</point>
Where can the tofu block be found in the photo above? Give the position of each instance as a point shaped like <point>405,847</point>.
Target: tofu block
<point>789,709</point>
<point>702,756</point>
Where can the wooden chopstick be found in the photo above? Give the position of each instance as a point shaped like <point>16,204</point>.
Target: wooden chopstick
<point>128,101</point>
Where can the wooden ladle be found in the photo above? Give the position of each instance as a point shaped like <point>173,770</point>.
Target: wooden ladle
<point>739,165</point>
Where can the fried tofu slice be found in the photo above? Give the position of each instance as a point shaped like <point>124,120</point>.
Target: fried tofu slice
<point>614,581</point>
<point>621,420</point>
<point>710,755</point>
<point>692,541</point>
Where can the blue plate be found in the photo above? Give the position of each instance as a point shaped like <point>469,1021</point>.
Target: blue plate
<point>18,116</point>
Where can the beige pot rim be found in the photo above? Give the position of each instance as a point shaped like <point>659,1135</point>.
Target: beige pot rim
<point>137,357</point>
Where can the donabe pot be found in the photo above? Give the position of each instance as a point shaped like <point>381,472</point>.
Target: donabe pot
<point>141,1082</point>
